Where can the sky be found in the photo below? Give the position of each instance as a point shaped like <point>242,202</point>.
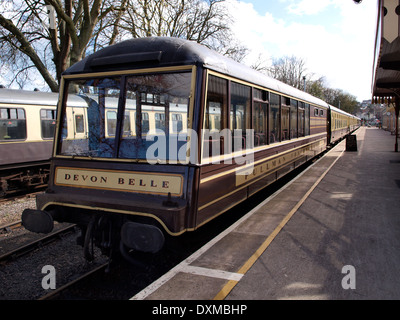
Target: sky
<point>335,38</point>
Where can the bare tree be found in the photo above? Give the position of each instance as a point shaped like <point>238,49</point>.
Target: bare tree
<point>289,70</point>
<point>25,41</point>
<point>260,64</point>
<point>84,26</point>
<point>205,22</point>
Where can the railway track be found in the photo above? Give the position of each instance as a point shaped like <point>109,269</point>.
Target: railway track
<point>21,267</point>
<point>21,195</point>
<point>57,292</point>
<point>34,244</point>
<point>6,228</point>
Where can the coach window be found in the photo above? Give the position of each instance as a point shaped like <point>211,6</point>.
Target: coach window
<point>274,117</point>
<point>145,122</point>
<point>155,97</point>
<point>79,123</point>
<point>48,123</point>
<point>100,94</point>
<point>307,119</point>
<point>260,117</point>
<point>215,116</point>
<point>240,115</point>
<point>293,119</point>
<point>111,122</point>
<point>160,121</point>
<point>176,122</point>
<point>285,118</point>
<point>301,119</point>
<point>217,101</point>
<point>12,124</point>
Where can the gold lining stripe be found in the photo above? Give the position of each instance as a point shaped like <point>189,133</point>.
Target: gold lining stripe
<point>218,175</point>
<point>136,213</point>
<point>49,140</point>
<point>231,156</point>
<point>245,186</point>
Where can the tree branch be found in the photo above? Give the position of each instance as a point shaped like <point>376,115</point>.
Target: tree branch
<point>27,49</point>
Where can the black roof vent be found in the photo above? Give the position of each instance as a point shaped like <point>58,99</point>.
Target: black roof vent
<point>127,58</point>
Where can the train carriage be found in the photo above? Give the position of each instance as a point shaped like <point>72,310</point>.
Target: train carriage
<point>27,122</point>
<point>27,125</point>
<point>174,135</point>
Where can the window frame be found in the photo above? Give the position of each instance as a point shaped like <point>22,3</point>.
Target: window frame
<point>14,117</point>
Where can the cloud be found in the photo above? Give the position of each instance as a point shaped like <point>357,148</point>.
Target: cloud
<point>340,49</point>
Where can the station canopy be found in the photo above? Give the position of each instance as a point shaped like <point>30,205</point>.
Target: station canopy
<point>386,69</point>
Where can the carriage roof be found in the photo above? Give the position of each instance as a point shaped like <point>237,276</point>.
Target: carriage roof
<point>36,98</point>
<point>156,52</point>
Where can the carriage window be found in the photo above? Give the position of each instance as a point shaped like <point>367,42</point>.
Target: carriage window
<point>111,122</point>
<point>301,119</point>
<point>12,124</point>
<point>160,121</point>
<point>79,123</point>
<point>285,123</point>
<point>215,117</point>
<point>88,135</point>
<point>274,118</point>
<point>240,115</point>
<point>162,106</point>
<point>307,119</point>
<point>260,117</point>
<point>316,112</point>
<point>48,123</point>
<point>260,123</point>
<point>150,102</point>
<point>293,119</point>
<point>177,124</point>
<point>145,122</point>
<point>217,101</point>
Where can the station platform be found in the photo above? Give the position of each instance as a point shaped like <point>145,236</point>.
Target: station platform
<point>331,233</point>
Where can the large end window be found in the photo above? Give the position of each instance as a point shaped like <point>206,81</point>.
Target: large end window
<point>100,98</point>
<point>132,117</point>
